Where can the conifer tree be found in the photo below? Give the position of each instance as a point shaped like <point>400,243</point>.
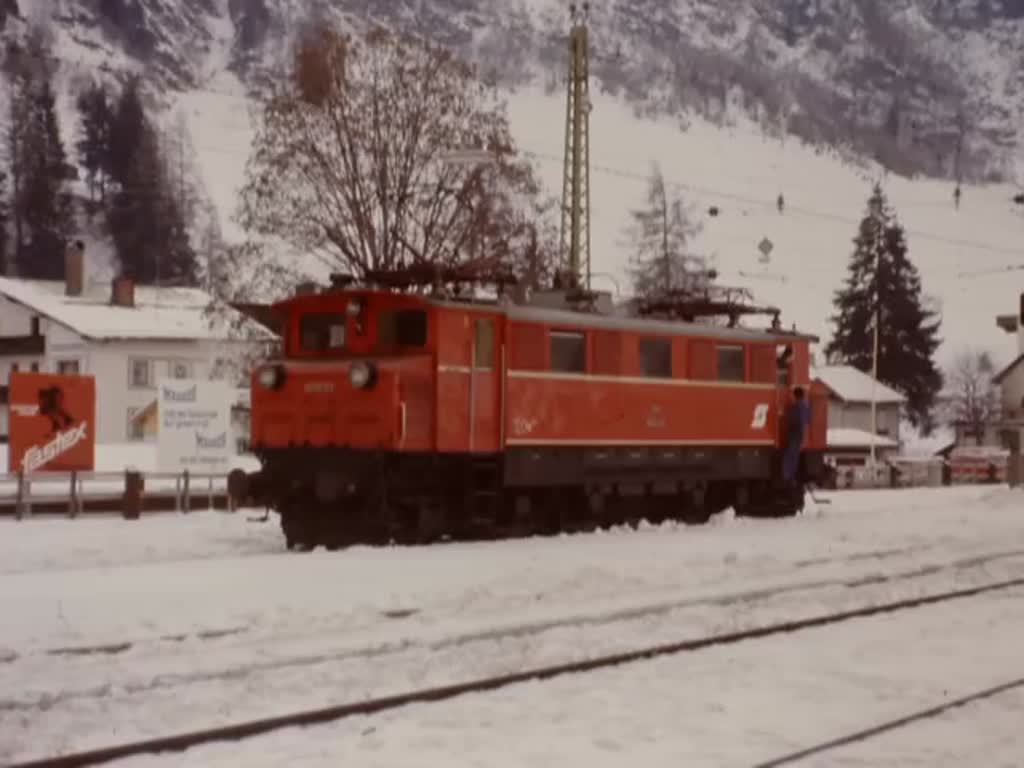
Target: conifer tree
<point>5,212</point>
<point>881,277</point>
<point>127,126</point>
<point>40,203</point>
<point>47,202</point>
<point>146,219</point>
<point>660,237</point>
<point>94,145</point>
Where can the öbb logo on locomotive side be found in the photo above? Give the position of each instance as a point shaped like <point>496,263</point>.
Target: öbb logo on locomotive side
<point>760,420</point>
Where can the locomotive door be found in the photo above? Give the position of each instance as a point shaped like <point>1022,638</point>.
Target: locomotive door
<point>485,385</point>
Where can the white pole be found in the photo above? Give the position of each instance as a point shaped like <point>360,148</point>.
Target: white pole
<point>874,386</point>
<point>874,346</point>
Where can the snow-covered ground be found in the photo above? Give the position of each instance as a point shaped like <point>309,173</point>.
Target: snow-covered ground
<point>118,630</point>
<point>743,705</point>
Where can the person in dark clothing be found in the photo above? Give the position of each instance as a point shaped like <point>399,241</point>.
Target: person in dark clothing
<point>797,421</point>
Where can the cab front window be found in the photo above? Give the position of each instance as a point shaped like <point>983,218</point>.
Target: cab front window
<point>404,328</point>
<point>320,332</point>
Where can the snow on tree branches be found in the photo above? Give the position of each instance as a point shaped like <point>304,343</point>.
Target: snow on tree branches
<point>659,237</point>
<point>882,278</point>
<point>349,163</point>
<point>974,395</point>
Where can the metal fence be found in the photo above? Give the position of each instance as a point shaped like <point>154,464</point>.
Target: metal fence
<point>130,492</point>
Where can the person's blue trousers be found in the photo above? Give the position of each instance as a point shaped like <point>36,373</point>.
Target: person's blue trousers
<point>791,461</point>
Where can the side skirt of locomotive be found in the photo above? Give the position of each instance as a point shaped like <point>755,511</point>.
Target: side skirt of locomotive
<point>338,496</point>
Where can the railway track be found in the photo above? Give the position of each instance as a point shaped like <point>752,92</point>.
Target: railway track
<point>182,741</point>
<point>443,642</point>
<point>892,725</point>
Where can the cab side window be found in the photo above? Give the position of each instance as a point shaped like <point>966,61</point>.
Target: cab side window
<point>568,352</point>
<point>483,343</point>
<point>731,364</point>
<point>656,358</point>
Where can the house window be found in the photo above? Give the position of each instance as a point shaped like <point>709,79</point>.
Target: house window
<point>731,364</point>
<point>656,358</point>
<point>179,369</point>
<point>34,326</point>
<point>568,352</point>
<point>140,374</point>
<point>67,367</point>
<point>136,426</point>
<point>483,343</point>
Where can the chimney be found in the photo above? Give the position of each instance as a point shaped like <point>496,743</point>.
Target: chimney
<point>74,268</point>
<point>122,292</point>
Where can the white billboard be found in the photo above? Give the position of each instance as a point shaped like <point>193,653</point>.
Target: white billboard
<point>194,426</point>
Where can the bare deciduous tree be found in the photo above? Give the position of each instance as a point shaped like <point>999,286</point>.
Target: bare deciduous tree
<point>349,162</point>
<point>974,400</point>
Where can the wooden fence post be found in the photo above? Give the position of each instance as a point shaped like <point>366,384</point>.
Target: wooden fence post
<point>23,506</point>
<point>131,506</point>
<point>187,495</point>
<point>73,504</point>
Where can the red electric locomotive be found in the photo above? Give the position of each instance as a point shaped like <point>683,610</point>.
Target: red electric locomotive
<point>398,416</point>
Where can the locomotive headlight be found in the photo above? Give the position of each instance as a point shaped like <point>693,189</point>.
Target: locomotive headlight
<point>271,377</point>
<point>353,308</point>
<point>362,375</point>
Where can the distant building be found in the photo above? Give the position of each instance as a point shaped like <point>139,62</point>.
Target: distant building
<point>1009,432</point>
<point>849,414</point>
<point>128,337</point>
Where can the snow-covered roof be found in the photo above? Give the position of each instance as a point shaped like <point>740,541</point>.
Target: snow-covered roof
<point>857,438</point>
<point>853,385</point>
<point>160,313</point>
<point>1001,376</point>
<point>916,444</point>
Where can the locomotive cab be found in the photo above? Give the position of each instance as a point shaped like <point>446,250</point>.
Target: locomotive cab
<point>344,380</point>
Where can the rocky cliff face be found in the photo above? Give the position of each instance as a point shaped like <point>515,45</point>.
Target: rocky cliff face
<point>927,86</point>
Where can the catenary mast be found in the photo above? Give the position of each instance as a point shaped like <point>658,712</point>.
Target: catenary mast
<point>574,250</point>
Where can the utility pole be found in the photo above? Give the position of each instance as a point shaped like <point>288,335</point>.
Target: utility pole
<point>575,233</point>
<point>879,240</point>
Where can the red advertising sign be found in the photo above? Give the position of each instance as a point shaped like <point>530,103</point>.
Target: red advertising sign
<point>52,422</point>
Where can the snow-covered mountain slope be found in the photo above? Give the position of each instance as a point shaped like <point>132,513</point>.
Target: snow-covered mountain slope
<point>905,81</point>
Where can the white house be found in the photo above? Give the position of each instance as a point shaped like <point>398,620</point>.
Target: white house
<point>849,414</point>
<point>128,337</point>
<point>1010,430</point>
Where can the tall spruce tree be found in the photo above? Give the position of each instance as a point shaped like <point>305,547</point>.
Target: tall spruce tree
<point>659,236</point>
<point>882,278</point>
<point>146,219</point>
<point>5,212</point>
<point>41,205</point>
<point>94,145</point>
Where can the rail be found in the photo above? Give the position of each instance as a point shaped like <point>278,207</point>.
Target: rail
<point>130,492</point>
<point>180,742</point>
